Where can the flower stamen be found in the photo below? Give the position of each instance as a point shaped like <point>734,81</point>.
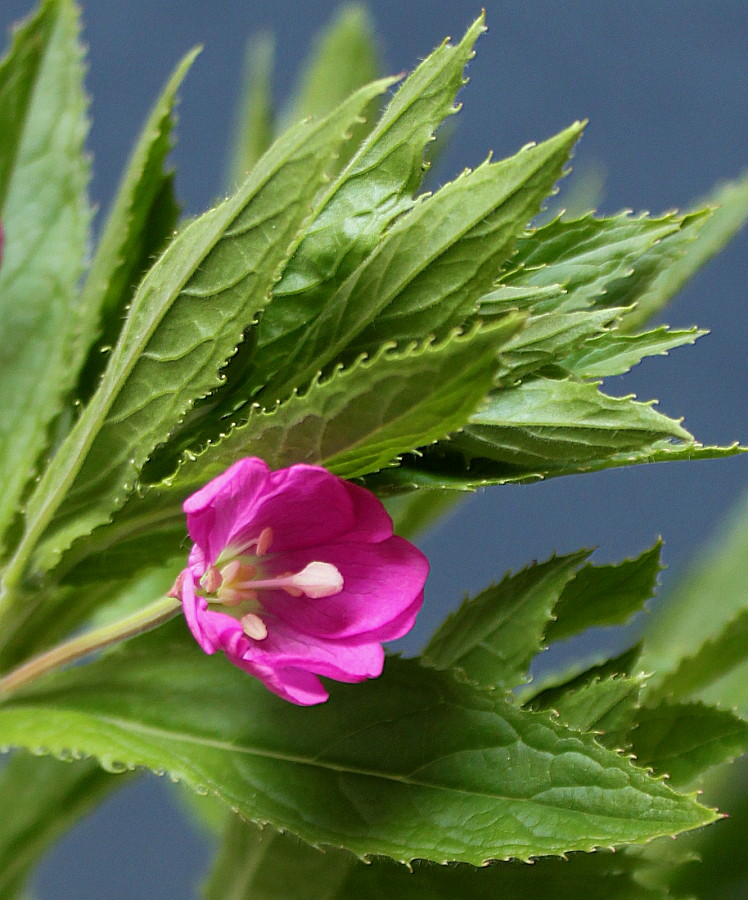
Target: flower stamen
<point>236,582</point>
<point>211,580</point>
<point>264,541</point>
<point>254,627</point>
<point>316,580</point>
<point>260,544</point>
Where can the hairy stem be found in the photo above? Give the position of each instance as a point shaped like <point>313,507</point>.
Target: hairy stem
<point>146,619</point>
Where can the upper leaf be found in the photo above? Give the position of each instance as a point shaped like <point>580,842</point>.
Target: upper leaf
<point>409,765</point>
<point>493,637</point>
<point>439,471</point>
<point>150,527</point>
<point>45,218</point>
<point>556,688</point>
<point>428,272</point>
<point>343,59</point>
<point>359,420</point>
<point>683,740</point>
<point>605,595</point>
<point>141,219</point>
<point>492,206</point>
<point>722,655</point>
<point>700,610</point>
<point>19,73</point>
<point>615,354</point>
<point>587,256</point>
<point>545,423</point>
<point>375,188</point>
<point>606,706</point>
<point>730,213</point>
<point>633,289</point>
<point>550,336</point>
<point>413,513</point>
<point>253,128</point>
<point>187,317</point>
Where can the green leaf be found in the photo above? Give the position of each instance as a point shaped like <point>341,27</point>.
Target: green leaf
<point>253,129</point>
<point>594,876</point>
<point>614,354</point>
<point>41,799</point>
<point>210,282</point>
<point>344,58</point>
<point>603,705</point>
<point>360,419</point>
<point>583,192</point>
<point>587,255</point>
<point>474,222</point>
<point>151,528</point>
<point>147,531</point>
<point>706,606</point>
<point>545,423</point>
<point>553,689</point>
<point>683,740</point>
<point>432,266</point>
<point>206,811</point>
<point>451,472</point>
<point>710,236</point>
<point>719,865</point>
<point>19,73</point>
<point>45,215</point>
<point>505,298</point>
<point>633,289</point>
<point>715,658</point>
<point>548,337</point>
<point>414,513</point>
<point>141,220</point>
<point>111,568</point>
<point>605,595</point>
<point>265,865</point>
<point>492,638</point>
<point>409,765</point>
<point>374,189</point>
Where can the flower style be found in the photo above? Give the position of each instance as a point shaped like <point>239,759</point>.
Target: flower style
<point>294,574</point>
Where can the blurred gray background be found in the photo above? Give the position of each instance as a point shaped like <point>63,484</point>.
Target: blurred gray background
<point>665,87</point>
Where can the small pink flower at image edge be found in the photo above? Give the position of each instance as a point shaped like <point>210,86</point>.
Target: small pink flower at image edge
<point>296,573</point>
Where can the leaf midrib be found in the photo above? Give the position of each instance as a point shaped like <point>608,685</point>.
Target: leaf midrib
<point>163,733</point>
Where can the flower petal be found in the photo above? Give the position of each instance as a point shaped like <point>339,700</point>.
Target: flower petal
<point>306,520</point>
<point>305,506</point>
<point>348,661</point>
<point>212,630</point>
<point>225,507</point>
<point>382,587</point>
<point>295,685</point>
<point>372,522</point>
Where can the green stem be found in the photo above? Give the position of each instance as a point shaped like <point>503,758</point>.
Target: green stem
<point>145,619</point>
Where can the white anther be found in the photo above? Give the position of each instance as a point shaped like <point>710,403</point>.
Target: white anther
<point>254,627</point>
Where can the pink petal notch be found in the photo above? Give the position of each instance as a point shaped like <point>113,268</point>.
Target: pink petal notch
<point>295,574</point>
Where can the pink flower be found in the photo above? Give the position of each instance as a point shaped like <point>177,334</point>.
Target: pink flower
<point>295,574</point>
